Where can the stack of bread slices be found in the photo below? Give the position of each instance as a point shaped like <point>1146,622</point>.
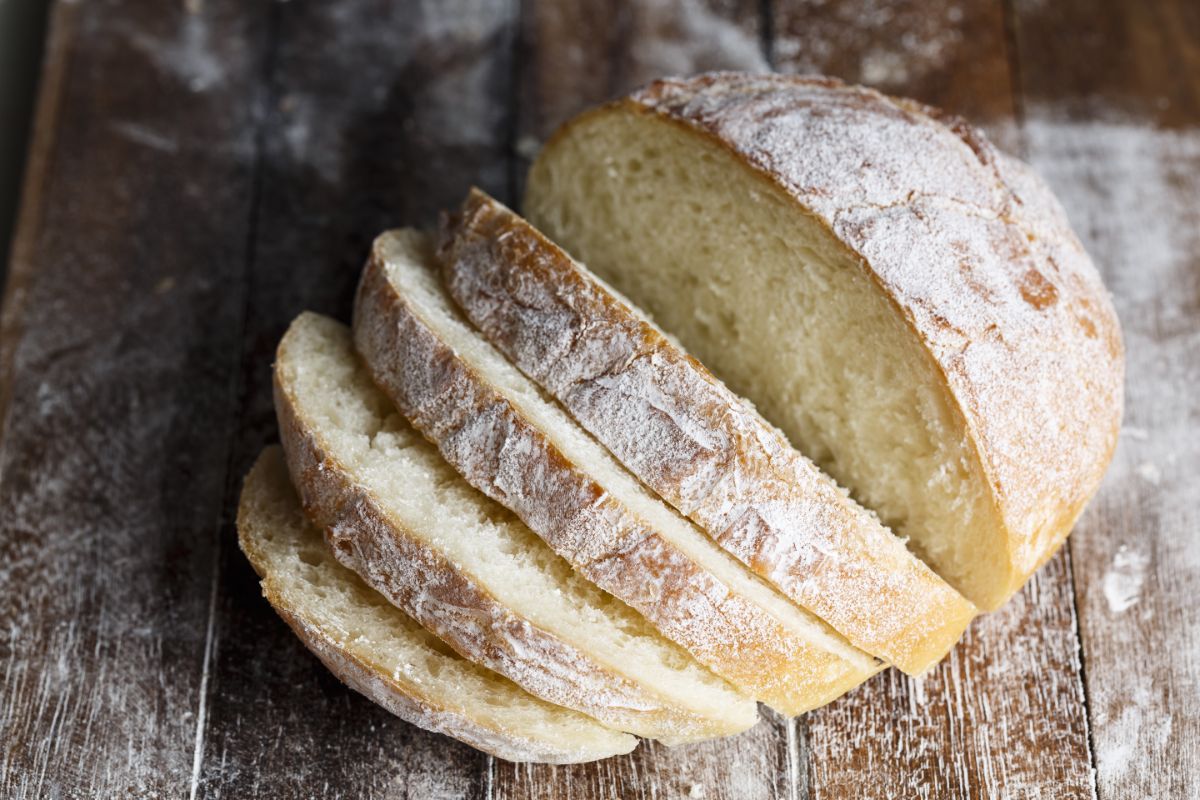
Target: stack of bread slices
<point>510,508</point>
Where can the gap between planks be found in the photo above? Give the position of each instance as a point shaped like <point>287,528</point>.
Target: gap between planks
<point>262,99</point>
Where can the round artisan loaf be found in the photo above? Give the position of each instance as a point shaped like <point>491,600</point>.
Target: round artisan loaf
<point>906,303</point>
<point>387,656</point>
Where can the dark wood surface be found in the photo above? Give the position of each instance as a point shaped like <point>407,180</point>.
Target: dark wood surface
<point>201,171</point>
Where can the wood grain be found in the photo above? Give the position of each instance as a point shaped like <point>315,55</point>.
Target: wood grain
<point>1112,98</point>
<point>576,54</point>
<point>950,53</point>
<point>1004,715</point>
<point>121,342</point>
<point>377,116</point>
<point>754,764</point>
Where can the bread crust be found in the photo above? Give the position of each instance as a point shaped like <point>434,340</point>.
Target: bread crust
<point>508,458</point>
<point>411,700</point>
<point>975,254</point>
<point>705,450</point>
<point>453,604</point>
<point>404,702</point>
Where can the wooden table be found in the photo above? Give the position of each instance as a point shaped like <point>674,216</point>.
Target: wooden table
<point>204,170</point>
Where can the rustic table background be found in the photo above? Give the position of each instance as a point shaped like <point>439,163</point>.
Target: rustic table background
<point>203,170</point>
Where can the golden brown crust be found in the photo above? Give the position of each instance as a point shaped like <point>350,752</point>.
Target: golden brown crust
<point>707,452</point>
<point>974,253</point>
<point>508,458</point>
<point>453,604</point>
<point>408,697</point>
<point>411,705</point>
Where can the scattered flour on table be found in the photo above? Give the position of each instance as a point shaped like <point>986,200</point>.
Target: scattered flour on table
<point>898,43</point>
<point>188,55</point>
<point>528,147</point>
<point>1137,727</point>
<point>1135,433</point>
<point>1130,190</point>
<point>679,37</point>
<point>1149,472</point>
<point>425,73</point>
<point>664,38</point>
<point>1124,579</point>
<point>140,134</point>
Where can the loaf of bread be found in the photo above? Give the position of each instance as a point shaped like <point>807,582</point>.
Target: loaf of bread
<point>385,655</point>
<point>703,449</point>
<point>907,304</point>
<point>397,514</point>
<point>492,425</point>
<point>886,304</point>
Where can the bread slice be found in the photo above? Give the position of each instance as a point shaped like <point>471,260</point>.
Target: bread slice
<point>908,305</point>
<point>490,422</point>
<point>466,569</point>
<point>378,651</point>
<point>705,450</point>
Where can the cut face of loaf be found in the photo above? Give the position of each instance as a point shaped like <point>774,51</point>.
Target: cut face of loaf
<point>385,655</point>
<point>908,305</point>
<point>492,424</point>
<point>466,569</point>
<point>706,451</point>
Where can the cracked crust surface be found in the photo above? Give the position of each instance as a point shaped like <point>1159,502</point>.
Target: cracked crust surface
<point>459,699</point>
<point>493,442</point>
<point>974,253</point>
<point>705,450</point>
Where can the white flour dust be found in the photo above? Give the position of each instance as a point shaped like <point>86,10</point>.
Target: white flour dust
<point>1124,579</point>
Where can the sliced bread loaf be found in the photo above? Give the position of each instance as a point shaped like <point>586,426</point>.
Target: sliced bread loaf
<point>465,568</point>
<point>492,424</point>
<point>377,650</point>
<point>907,304</point>
<point>705,450</point>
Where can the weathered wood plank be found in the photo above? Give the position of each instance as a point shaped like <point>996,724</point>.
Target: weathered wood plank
<point>575,55</point>
<point>1112,98</point>
<point>751,765</point>
<point>121,333</point>
<point>946,52</point>
<point>380,115</point>
<point>1004,714</point>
